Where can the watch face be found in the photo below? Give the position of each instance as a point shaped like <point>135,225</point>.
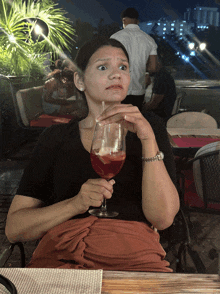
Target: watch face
<point>160,155</point>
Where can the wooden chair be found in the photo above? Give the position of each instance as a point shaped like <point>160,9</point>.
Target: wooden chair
<point>192,120</point>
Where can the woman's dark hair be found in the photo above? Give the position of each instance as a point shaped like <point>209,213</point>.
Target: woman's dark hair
<point>88,49</point>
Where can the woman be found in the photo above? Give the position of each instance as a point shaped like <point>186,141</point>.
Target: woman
<point>59,185</point>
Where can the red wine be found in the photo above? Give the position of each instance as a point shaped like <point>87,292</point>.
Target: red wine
<point>107,165</point>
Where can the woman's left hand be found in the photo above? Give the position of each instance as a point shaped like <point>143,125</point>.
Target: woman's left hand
<point>130,117</point>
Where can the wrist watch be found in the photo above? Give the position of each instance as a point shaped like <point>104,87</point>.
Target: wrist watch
<point>159,156</point>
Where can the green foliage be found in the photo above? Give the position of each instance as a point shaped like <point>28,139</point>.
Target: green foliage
<point>20,54</point>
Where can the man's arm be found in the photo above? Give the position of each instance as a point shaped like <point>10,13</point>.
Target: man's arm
<point>154,102</point>
<point>151,65</point>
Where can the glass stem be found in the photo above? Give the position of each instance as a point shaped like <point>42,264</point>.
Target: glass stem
<point>103,207</point>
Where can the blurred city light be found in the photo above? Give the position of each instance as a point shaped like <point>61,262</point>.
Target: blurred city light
<point>186,58</point>
<point>202,46</point>
<point>191,46</point>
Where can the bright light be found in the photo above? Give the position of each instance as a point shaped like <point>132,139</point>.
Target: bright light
<point>186,58</point>
<point>191,46</point>
<point>38,29</point>
<point>192,53</point>
<point>202,46</point>
<point>12,39</point>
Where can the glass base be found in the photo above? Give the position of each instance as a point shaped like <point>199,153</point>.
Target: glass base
<point>98,212</point>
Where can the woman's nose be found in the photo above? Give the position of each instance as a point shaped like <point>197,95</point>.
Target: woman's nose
<point>115,74</point>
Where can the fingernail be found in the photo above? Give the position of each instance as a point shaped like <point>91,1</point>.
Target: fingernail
<point>112,182</point>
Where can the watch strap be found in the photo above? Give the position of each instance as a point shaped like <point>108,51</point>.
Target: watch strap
<point>159,156</point>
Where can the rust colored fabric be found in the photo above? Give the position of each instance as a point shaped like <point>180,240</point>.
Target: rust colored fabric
<point>94,243</point>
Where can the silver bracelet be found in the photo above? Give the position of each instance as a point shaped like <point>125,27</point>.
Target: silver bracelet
<point>159,156</point>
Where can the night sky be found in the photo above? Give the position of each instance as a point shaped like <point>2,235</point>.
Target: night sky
<point>93,10</point>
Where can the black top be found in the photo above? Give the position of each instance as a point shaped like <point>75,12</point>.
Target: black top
<point>164,84</point>
<point>60,165</point>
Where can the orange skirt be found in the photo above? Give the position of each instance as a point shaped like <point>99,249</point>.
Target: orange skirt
<point>95,243</point>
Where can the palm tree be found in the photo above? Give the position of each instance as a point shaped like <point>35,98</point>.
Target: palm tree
<point>21,52</point>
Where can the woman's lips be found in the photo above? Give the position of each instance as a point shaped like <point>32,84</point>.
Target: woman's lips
<point>114,87</point>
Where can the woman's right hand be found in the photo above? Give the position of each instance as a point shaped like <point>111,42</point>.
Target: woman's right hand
<point>92,193</point>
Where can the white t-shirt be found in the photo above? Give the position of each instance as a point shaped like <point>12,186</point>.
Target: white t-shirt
<point>139,46</point>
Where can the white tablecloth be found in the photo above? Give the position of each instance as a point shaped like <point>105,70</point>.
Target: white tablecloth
<point>196,132</point>
<point>53,281</point>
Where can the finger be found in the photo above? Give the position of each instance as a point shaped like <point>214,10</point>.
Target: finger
<point>117,108</point>
<point>117,118</point>
<point>96,203</point>
<point>100,194</point>
<point>102,183</point>
<point>97,191</point>
<point>93,196</point>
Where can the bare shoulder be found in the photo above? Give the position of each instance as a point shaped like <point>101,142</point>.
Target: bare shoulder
<point>19,202</point>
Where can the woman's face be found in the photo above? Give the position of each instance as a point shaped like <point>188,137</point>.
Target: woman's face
<point>107,75</point>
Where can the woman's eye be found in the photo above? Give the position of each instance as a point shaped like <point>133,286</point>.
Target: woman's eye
<point>123,67</point>
<point>102,67</point>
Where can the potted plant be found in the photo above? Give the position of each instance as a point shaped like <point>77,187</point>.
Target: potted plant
<point>23,52</point>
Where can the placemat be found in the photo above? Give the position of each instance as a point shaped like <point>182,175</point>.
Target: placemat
<point>53,281</point>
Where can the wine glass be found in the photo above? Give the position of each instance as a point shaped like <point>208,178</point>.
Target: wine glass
<point>107,157</point>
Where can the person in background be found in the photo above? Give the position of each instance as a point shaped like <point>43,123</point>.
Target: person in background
<point>59,97</point>
<point>59,185</point>
<point>142,51</point>
<point>163,93</point>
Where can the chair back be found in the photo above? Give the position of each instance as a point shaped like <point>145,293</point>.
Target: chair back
<point>176,106</point>
<point>29,102</point>
<point>192,120</point>
<point>206,173</point>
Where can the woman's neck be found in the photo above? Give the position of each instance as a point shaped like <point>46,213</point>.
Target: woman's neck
<point>94,111</point>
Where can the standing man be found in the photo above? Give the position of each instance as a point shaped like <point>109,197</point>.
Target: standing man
<point>142,51</point>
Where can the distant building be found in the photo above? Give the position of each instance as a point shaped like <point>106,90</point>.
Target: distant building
<point>163,26</point>
<point>202,16</point>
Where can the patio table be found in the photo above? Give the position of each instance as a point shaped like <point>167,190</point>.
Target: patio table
<point>68,281</point>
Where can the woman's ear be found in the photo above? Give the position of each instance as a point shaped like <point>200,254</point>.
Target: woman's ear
<point>78,81</point>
